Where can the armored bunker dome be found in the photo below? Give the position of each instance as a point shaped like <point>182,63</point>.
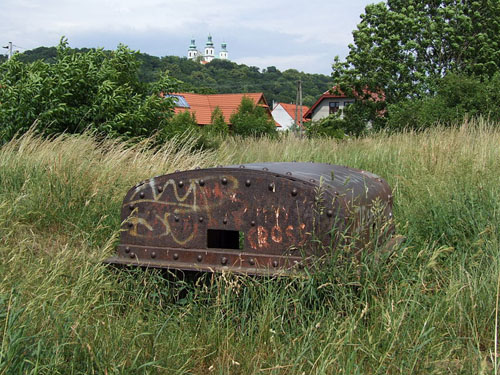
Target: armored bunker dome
<point>252,218</point>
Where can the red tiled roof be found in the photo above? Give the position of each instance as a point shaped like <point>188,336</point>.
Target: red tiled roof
<point>290,109</point>
<point>203,105</point>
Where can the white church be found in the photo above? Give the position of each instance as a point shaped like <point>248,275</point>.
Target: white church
<point>209,55</point>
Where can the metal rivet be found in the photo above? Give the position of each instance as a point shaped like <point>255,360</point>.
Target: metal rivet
<point>329,213</point>
<point>176,256</point>
<point>127,249</point>
<point>200,219</point>
<point>181,183</point>
<point>160,189</point>
<point>265,169</point>
<point>248,183</point>
<point>153,255</point>
<point>176,218</point>
<point>202,182</point>
<point>132,255</point>
<point>251,261</point>
<point>271,186</point>
<point>275,263</point>
<point>199,258</point>
<point>141,194</point>
<point>131,207</point>
<point>223,260</point>
<point>288,173</point>
<point>252,223</point>
<point>224,221</point>
<point>242,166</point>
<point>294,192</point>
<point>224,180</point>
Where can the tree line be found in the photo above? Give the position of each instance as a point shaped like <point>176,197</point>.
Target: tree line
<point>220,76</point>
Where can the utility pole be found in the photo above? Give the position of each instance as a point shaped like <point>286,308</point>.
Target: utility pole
<point>298,102</point>
<point>9,47</point>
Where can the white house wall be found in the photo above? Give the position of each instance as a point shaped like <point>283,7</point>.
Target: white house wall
<point>282,117</point>
<point>323,108</point>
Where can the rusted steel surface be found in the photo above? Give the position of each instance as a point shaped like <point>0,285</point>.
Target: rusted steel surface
<point>252,218</point>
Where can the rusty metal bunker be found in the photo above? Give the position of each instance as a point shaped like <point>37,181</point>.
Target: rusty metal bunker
<point>261,218</point>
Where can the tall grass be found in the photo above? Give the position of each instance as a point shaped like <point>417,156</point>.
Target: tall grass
<point>430,308</point>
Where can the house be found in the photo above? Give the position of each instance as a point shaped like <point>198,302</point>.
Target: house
<point>203,105</point>
<point>334,101</point>
<point>284,114</point>
<point>329,103</point>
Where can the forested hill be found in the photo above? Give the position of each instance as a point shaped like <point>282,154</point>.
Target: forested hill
<point>219,76</point>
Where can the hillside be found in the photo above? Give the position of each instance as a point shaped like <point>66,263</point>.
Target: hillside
<point>219,76</point>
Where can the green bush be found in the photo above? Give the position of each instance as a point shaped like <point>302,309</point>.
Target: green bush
<point>252,120</point>
<point>95,90</point>
<point>457,96</point>
<point>217,125</point>
<point>352,121</point>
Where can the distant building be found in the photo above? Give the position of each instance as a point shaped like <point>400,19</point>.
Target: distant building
<point>203,105</point>
<point>209,52</point>
<point>284,114</point>
<point>334,100</point>
<point>328,104</point>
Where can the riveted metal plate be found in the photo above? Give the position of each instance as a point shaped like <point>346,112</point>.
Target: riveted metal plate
<point>252,218</point>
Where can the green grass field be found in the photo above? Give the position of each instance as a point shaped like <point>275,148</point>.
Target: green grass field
<point>430,308</point>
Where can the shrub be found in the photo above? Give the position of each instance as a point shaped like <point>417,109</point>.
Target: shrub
<point>217,125</point>
<point>93,90</point>
<point>252,120</point>
<point>457,96</point>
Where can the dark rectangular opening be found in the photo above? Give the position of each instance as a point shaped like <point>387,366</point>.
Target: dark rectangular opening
<point>224,239</point>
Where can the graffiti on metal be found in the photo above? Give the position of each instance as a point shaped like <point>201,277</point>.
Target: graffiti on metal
<point>248,218</point>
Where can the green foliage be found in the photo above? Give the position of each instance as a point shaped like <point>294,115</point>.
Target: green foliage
<point>181,123</point>
<point>405,47</point>
<point>457,96</point>
<point>354,120</point>
<point>184,128</point>
<point>218,124</point>
<point>220,76</point>
<point>92,90</point>
<point>252,120</point>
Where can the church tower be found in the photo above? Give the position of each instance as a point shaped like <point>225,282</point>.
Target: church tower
<point>209,50</point>
<point>192,51</point>
<point>223,52</point>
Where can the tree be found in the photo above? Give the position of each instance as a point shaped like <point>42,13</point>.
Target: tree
<point>457,96</point>
<point>252,120</point>
<point>94,90</point>
<point>217,125</point>
<point>181,124</point>
<point>405,46</point>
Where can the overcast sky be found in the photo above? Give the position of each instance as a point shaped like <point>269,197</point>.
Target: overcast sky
<point>304,35</point>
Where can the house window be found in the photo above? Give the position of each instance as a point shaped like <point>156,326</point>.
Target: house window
<point>334,107</point>
<point>346,104</point>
